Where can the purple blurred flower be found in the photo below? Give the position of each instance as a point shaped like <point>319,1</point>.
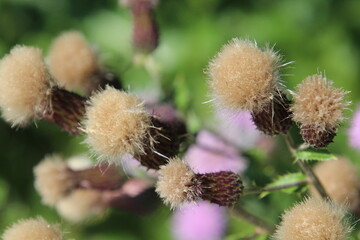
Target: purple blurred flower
<point>354,131</point>
<point>211,154</point>
<point>238,128</point>
<point>201,220</point>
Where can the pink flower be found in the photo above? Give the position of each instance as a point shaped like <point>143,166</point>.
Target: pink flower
<point>354,131</point>
<point>201,220</point>
<point>211,154</point>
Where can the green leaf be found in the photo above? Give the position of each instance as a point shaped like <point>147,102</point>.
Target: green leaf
<point>286,179</point>
<point>317,155</point>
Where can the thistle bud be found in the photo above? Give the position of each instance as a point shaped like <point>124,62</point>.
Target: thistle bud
<point>33,229</point>
<point>178,184</point>
<point>117,124</point>
<point>313,219</point>
<point>75,65</point>
<point>244,77</point>
<point>318,108</point>
<point>145,29</point>
<point>341,182</point>
<point>27,91</point>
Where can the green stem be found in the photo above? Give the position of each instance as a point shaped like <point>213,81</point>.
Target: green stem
<point>249,191</point>
<point>305,167</point>
<point>262,226</point>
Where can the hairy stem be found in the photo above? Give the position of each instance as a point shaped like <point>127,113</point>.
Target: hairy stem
<point>305,167</point>
<point>276,188</point>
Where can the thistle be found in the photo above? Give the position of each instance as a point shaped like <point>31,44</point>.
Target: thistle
<point>341,182</point>
<point>313,219</point>
<point>33,229</point>
<point>244,77</point>
<point>318,108</point>
<point>145,30</point>
<point>117,124</point>
<point>54,179</point>
<point>81,204</point>
<point>178,184</point>
<point>75,65</point>
<point>28,92</point>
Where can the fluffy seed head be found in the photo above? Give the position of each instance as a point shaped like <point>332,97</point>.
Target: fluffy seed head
<point>33,229</point>
<point>24,83</point>
<point>244,77</point>
<point>116,124</point>
<point>53,179</point>
<point>318,103</point>
<point>313,219</point>
<point>72,61</point>
<point>175,182</point>
<point>341,182</point>
<point>81,205</point>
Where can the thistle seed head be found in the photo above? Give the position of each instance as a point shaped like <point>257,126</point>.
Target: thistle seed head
<point>24,85</point>
<point>341,182</point>
<point>33,229</point>
<point>53,179</point>
<point>72,61</point>
<point>116,124</point>
<point>176,183</point>
<point>244,77</point>
<point>313,219</point>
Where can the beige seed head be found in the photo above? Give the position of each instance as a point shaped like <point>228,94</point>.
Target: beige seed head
<point>244,77</point>
<point>80,205</point>
<point>318,103</point>
<point>24,84</point>
<point>53,179</point>
<point>33,229</point>
<point>313,219</point>
<point>174,183</point>
<point>72,61</point>
<point>116,124</point>
<point>341,182</point>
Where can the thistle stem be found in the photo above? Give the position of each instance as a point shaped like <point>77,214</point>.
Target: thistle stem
<point>305,167</point>
<point>262,226</point>
<point>276,188</point>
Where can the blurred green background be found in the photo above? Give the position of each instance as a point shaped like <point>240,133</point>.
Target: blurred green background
<point>318,35</point>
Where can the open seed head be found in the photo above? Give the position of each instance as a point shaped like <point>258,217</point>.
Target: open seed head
<point>81,205</point>
<point>175,183</point>
<point>318,103</point>
<point>244,77</point>
<point>53,179</point>
<point>24,85</point>
<point>313,219</point>
<point>116,124</point>
<point>33,229</point>
<point>72,61</point>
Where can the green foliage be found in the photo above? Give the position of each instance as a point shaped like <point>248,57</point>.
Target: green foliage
<point>286,179</point>
<point>314,155</point>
